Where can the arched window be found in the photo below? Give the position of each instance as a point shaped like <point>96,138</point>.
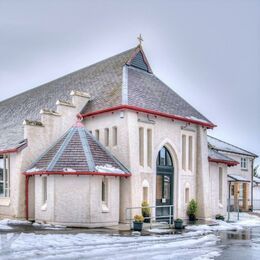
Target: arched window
<point>164,158</point>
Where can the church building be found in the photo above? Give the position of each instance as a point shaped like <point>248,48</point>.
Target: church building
<point>84,148</point>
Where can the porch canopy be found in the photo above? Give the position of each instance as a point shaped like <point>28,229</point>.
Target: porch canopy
<point>237,178</point>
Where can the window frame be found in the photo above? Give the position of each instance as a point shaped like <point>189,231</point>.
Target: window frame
<point>6,176</point>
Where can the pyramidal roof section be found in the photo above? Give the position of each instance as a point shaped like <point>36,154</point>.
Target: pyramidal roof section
<point>78,152</point>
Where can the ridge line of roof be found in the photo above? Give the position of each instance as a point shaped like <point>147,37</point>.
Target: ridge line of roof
<point>255,155</point>
<point>78,70</point>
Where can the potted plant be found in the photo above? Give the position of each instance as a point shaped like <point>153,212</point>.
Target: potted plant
<point>192,210</point>
<point>219,217</point>
<point>178,223</point>
<point>138,222</point>
<point>146,211</point>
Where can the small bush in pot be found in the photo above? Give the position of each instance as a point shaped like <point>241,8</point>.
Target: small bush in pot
<point>219,217</point>
<point>146,211</point>
<point>138,222</point>
<point>192,210</point>
<point>178,223</point>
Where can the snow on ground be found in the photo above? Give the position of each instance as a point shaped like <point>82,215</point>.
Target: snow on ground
<point>94,246</point>
<point>245,220</point>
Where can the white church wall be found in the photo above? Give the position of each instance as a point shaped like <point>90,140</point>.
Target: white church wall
<point>217,206</point>
<point>76,201</point>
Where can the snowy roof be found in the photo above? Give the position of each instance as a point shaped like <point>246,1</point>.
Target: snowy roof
<point>217,157</point>
<point>256,179</point>
<point>103,81</point>
<point>234,177</point>
<point>78,152</point>
<point>220,145</point>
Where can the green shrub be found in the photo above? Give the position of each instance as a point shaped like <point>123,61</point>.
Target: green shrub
<point>138,218</point>
<point>146,211</point>
<point>192,208</point>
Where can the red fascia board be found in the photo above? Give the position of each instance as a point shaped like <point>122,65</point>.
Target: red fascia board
<point>148,111</point>
<point>78,173</point>
<point>14,150</point>
<point>229,163</point>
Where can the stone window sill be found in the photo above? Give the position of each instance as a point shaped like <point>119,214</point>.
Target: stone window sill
<point>105,208</point>
<point>44,207</point>
<point>5,202</point>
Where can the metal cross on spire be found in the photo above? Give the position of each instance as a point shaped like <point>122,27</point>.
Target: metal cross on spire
<point>140,39</point>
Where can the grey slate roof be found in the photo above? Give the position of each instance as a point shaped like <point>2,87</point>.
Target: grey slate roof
<point>213,154</point>
<point>77,151</point>
<point>103,81</point>
<point>220,145</point>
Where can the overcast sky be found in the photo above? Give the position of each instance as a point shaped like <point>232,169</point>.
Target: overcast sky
<point>207,51</point>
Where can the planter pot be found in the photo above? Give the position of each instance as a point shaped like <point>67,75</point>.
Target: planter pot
<point>147,218</point>
<point>178,224</point>
<point>192,218</point>
<point>138,226</point>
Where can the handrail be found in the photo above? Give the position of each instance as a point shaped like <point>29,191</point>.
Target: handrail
<point>153,216</point>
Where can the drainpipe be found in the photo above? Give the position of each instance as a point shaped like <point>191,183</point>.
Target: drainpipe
<point>27,177</point>
<point>252,184</point>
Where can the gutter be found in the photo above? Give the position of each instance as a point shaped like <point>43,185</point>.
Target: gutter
<point>148,111</point>
<point>228,163</point>
<point>13,150</point>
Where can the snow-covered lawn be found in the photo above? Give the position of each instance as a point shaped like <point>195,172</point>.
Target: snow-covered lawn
<point>199,243</point>
<point>92,246</point>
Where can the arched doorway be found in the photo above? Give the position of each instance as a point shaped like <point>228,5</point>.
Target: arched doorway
<point>164,183</point>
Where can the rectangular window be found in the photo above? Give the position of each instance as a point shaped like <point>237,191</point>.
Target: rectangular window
<point>114,136</point>
<point>244,163</point>
<point>4,176</point>
<point>104,194</point>
<point>190,153</point>
<point>184,152</point>
<point>106,136</point>
<point>44,190</point>
<point>220,185</point>
<point>241,191</point>
<point>97,134</point>
<point>141,146</point>
<point>149,147</point>
<point>187,195</point>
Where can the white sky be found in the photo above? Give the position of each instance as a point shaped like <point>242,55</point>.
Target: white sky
<point>207,51</point>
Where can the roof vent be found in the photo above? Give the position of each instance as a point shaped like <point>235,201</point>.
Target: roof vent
<point>139,62</point>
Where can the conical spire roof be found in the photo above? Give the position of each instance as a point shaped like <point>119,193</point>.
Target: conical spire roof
<point>78,152</point>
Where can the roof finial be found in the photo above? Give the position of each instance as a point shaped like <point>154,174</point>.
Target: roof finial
<point>140,39</point>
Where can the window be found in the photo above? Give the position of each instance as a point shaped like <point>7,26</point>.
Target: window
<point>145,185</point>
<point>187,195</point>
<point>104,194</point>
<point>164,158</point>
<point>149,147</point>
<point>184,152</point>
<point>44,190</point>
<point>244,163</point>
<point>97,134</point>
<point>190,153</point>
<point>220,185</point>
<point>241,191</point>
<point>106,136</point>
<point>114,136</point>
<point>141,146</point>
<point>4,176</point>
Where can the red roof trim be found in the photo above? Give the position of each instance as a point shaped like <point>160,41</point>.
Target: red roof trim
<point>228,163</point>
<point>78,173</point>
<point>148,111</point>
<point>14,150</point>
